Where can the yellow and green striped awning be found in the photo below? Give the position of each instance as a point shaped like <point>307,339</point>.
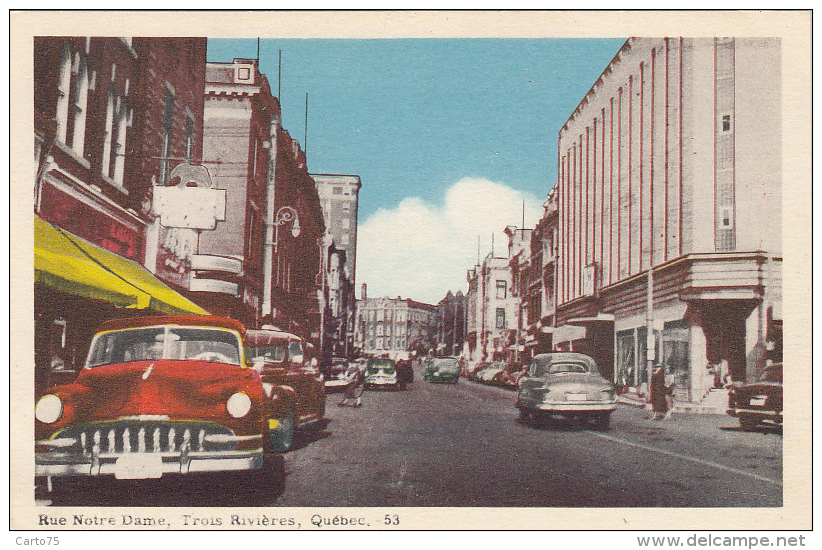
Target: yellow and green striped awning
<point>73,265</point>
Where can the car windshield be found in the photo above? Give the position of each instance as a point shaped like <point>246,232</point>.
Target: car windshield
<point>446,365</point>
<point>560,366</point>
<point>771,374</point>
<point>386,366</point>
<point>165,342</point>
<point>272,352</point>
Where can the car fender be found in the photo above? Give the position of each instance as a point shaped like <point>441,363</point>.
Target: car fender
<point>281,401</point>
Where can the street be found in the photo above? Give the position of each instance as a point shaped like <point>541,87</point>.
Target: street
<point>461,445</point>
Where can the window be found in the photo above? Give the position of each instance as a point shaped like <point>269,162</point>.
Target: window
<point>346,223</point>
<point>726,218</point>
<point>337,190</point>
<point>345,239</point>
<point>120,143</point>
<point>502,290</point>
<point>726,123</point>
<point>63,90</point>
<point>105,163</point>
<point>190,141</point>
<point>80,107</point>
<point>501,318</point>
<point>167,126</point>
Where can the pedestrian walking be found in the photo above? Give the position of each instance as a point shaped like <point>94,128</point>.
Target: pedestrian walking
<point>354,388</point>
<point>659,394</point>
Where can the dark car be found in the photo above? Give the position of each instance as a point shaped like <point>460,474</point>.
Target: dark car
<point>445,370</point>
<point>169,394</point>
<point>295,389</point>
<point>759,402</point>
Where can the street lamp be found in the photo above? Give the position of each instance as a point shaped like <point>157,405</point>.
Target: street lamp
<point>285,215</point>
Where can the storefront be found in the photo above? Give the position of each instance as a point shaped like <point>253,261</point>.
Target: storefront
<point>78,285</point>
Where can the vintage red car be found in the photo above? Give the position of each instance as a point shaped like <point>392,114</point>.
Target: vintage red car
<point>157,395</point>
<point>295,389</point>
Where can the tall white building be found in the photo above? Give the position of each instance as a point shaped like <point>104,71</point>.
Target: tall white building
<point>670,217</point>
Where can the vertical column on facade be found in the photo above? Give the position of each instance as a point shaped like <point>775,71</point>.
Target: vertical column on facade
<point>595,219</point>
<point>585,176</point>
<point>659,176</point>
<point>634,174</point>
<point>621,202</point>
<point>673,129</point>
<point>573,232</point>
<point>611,188</point>
<point>724,144</point>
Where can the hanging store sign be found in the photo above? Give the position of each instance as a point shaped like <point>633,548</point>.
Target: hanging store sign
<point>191,203</point>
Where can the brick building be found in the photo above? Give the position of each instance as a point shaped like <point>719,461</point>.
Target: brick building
<point>92,183</point>
<point>260,265</point>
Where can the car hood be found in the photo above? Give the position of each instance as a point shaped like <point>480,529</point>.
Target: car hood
<point>176,389</point>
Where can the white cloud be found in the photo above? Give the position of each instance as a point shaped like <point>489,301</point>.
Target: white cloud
<point>421,251</point>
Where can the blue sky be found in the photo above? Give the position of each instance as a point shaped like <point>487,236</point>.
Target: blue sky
<point>424,122</point>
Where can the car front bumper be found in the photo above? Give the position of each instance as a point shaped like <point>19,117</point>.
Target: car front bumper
<point>145,465</point>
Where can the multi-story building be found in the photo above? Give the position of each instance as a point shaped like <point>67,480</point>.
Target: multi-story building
<point>395,327</point>
<point>491,310</point>
<point>519,263</point>
<point>450,334</point>
<point>670,211</point>
<point>260,264</point>
<point>96,103</point>
<point>538,282</point>
<point>339,198</point>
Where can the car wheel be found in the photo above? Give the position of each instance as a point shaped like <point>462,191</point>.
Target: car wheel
<point>525,416</point>
<point>282,437</point>
<point>603,421</point>
<point>747,424</point>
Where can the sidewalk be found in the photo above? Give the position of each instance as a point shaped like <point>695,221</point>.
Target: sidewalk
<point>716,402</point>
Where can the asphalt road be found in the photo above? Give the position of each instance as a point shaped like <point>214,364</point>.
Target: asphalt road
<point>461,445</point>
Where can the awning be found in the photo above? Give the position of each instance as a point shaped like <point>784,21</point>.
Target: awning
<point>73,265</point>
<point>569,333</point>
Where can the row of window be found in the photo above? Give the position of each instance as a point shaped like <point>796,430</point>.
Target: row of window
<point>75,81</point>
<point>386,343</point>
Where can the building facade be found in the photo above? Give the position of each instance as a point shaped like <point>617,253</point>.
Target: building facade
<point>339,198</point>
<point>260,264</point>
<point>492,310</point>
<point>395,327</point>
<point>450,324</point>
<point>670,212</point>
<point>98,152</point>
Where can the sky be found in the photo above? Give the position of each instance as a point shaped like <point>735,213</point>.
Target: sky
<point>450,138</point>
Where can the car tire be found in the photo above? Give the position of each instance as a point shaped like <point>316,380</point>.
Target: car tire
<point>603,421</point>
<point>282,439</point>
<point>747,424</point>
<point>526,417</point>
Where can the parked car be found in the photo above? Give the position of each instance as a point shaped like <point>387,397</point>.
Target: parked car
<point>759,402</point>
<point>294,388</point>
<point>489,373</point>
<point>445,370</point>
<point>510,374</point>
<point>568,385</point>
<point>405,373</point>
<point>159,395</point>
<point>471,369</point>
<point>334,375</point>
<point>381,373</point>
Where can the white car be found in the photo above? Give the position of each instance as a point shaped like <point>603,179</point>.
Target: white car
<point>381,373</point>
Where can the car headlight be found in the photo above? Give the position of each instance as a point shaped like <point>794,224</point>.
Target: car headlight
<point>238,405</point>
<point>609,393</point>
<point>49,409</point>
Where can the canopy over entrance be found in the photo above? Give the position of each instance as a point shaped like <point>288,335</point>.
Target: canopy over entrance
<point>67,263</point>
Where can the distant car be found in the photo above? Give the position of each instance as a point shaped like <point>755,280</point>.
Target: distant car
<point>489,373</point>
<point>295,390</point>
<point>759,402</point>
<point>168,394</point>
<point>334,375</point>
<point>568,385</point>
<point>381,373</point>
<point>445,370</point>
<point>510,375</point>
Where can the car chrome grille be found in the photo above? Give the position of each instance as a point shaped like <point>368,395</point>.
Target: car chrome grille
<point>122,437</point>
